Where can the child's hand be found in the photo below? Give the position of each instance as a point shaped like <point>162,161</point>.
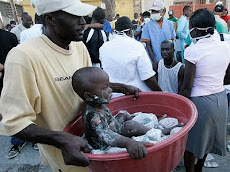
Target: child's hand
<point>136,150</point>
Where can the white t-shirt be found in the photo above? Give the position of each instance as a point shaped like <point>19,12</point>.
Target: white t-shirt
<point>211,57</point>
<point>33,32</point>
<point>126,61</point>
<point>17,30</point>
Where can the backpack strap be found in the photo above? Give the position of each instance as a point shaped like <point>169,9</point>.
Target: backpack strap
<point>91,32</point>
<point>221,36</point>
<point>105,38</point>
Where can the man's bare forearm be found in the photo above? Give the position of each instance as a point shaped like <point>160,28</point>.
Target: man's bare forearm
<point>150,51</point>
<point>116,87</point>
<point>36,134</point>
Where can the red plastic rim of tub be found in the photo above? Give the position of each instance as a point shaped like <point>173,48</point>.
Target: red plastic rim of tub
<point>166,142</point>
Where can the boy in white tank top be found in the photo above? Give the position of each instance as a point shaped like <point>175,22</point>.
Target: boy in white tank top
<point>170,72</point>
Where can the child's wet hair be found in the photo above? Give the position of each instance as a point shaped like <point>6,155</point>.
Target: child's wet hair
<point>81,80</point>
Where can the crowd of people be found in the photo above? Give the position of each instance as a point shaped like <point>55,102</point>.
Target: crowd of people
<point>189,56</point>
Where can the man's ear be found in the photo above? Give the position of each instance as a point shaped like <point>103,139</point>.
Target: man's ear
<point>88,96</point>
<point>50,18</point>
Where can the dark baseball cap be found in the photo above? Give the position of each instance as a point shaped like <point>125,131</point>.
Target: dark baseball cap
<point>219,8</point>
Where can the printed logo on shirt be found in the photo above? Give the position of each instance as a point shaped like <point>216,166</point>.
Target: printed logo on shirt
<point>63,78</point>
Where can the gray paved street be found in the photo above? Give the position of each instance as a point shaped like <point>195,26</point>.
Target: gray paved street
<point>224,162</point>
<point>29,161</point>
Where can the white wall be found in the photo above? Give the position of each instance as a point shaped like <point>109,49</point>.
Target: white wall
<point>228,5</point>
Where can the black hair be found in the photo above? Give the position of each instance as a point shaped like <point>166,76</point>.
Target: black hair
<point>219,8</point>
<point>98,14</point>
<point>37,19</point>
<point>168,42</point>
<point>123,23</point>
<point>203,18</point>
<point>24,14</point>
<point>135,14</point>
<point>8,26</point>
<point>186,7</point>
<point>146,13</point>
<point>13,22</point>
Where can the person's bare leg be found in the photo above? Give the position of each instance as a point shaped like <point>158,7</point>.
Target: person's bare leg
<point>123,117</point>
<point>200,163</point>
<point>163,117</point>
<point>166,131</point>
<point>133,128</point>
<point>189,161</point>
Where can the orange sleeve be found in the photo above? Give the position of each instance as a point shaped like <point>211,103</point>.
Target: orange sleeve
<point>145,40</point>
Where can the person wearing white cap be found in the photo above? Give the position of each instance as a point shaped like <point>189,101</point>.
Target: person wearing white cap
<point>157,30</point>
<point>37,99</point>
<point>172,18</point>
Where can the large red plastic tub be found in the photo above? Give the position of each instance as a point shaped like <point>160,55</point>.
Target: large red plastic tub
<point>162,157</point>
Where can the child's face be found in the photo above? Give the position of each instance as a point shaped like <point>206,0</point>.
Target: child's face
<point>101,88</point>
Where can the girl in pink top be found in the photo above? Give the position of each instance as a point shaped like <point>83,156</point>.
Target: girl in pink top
<point>206,62</point>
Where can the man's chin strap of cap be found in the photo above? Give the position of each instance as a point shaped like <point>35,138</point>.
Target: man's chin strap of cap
<point>122,32</point>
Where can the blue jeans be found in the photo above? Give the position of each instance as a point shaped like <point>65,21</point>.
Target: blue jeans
<point>16,141</point>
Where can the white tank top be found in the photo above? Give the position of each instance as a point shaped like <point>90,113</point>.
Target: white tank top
<point>168,77</point>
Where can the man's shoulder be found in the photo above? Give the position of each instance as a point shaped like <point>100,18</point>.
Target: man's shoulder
<point>136,43</point>
<point>78,45</point>
<point>182,18</point>
<point>150,24</point>
<point>33,28</point>
<point>6,33</point>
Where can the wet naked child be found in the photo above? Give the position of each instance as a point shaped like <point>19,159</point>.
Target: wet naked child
<point>101,128</point>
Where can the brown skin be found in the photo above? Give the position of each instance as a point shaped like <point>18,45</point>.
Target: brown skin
<point>62,28</point>
<point>188,12</point>
<point>94,25</point>
<point>27,21</point>
<point>227,76</point>
<point>100,83</point>
<point>1,69</point>
<point>167,52</point>
<point>152,84</point>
